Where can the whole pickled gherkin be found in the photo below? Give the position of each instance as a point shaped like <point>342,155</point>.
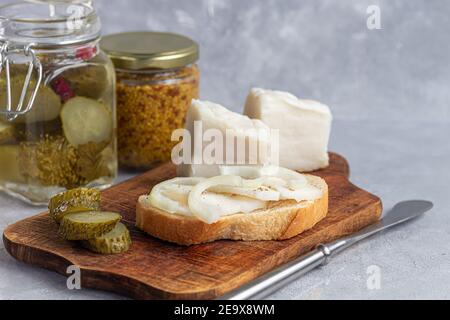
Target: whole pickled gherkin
<point>73,201</point>
<point>114,242</point>
<point>87,225</point>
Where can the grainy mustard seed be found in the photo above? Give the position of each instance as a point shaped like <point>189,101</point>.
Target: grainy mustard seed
<point>150,106</point>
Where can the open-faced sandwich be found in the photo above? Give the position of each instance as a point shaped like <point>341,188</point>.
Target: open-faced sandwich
<point>254,205</point>
<point>256,199</point>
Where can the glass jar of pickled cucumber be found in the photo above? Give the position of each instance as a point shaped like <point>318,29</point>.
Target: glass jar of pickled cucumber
<point>57,100</point>
<point>157,78</point>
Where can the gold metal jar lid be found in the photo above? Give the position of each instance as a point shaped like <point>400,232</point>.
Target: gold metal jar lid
<point>145,50</point>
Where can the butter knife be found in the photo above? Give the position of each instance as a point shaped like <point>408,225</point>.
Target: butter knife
<point>280,277</point>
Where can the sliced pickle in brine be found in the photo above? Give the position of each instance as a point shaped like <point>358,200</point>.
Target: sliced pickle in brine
<point>74,201</point>
<point>87,225</point>
<point>116,241</point>
<point>86,120</point>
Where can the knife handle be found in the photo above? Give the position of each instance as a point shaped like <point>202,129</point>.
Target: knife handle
<point>280,277</point>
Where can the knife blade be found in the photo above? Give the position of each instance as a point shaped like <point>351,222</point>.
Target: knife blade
<point>280,277</point>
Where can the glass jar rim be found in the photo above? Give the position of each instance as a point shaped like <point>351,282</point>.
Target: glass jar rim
<point>69,23</point>
<point>91,12</point>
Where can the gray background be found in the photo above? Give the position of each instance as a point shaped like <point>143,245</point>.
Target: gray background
<point>387,89</point>
<point>316,49</point>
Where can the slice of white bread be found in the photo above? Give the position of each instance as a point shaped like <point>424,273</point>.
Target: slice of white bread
<point>280,221</point>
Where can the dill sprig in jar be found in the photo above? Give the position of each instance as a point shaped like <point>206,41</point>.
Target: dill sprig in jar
<point>157,78</point>
<point>57,101</point>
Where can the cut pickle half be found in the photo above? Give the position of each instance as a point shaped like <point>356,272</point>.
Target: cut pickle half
<point>74,201</point>
<point>86,120</point>
<point>114,242</point>
<point>87,225</point>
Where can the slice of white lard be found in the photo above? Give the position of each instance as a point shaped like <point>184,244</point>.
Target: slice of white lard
<point>304,125</point>
<point>214,116</point>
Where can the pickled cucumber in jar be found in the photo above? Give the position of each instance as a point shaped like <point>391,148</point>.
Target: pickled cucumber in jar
<point>67,139</point>
<point>65,147</point>
<point>89,81</point>
<point>46,106</point>
<point>85,120</point>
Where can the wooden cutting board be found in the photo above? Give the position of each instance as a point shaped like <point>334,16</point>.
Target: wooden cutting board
<point>154,269</point>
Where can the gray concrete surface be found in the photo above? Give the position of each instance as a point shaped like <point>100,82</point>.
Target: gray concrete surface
<point>388,90</point>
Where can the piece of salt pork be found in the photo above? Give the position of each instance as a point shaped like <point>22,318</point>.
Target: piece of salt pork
<point>304,127</point>
<point>245,141</point>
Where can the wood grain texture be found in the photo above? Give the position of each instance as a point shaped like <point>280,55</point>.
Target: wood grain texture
<point>154,269</point>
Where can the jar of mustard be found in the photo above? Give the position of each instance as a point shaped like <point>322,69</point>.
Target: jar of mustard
<point>157,78</point>
<point>57,101</point>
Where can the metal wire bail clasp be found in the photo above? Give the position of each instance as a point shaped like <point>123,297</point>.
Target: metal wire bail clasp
<point>33,64</point>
